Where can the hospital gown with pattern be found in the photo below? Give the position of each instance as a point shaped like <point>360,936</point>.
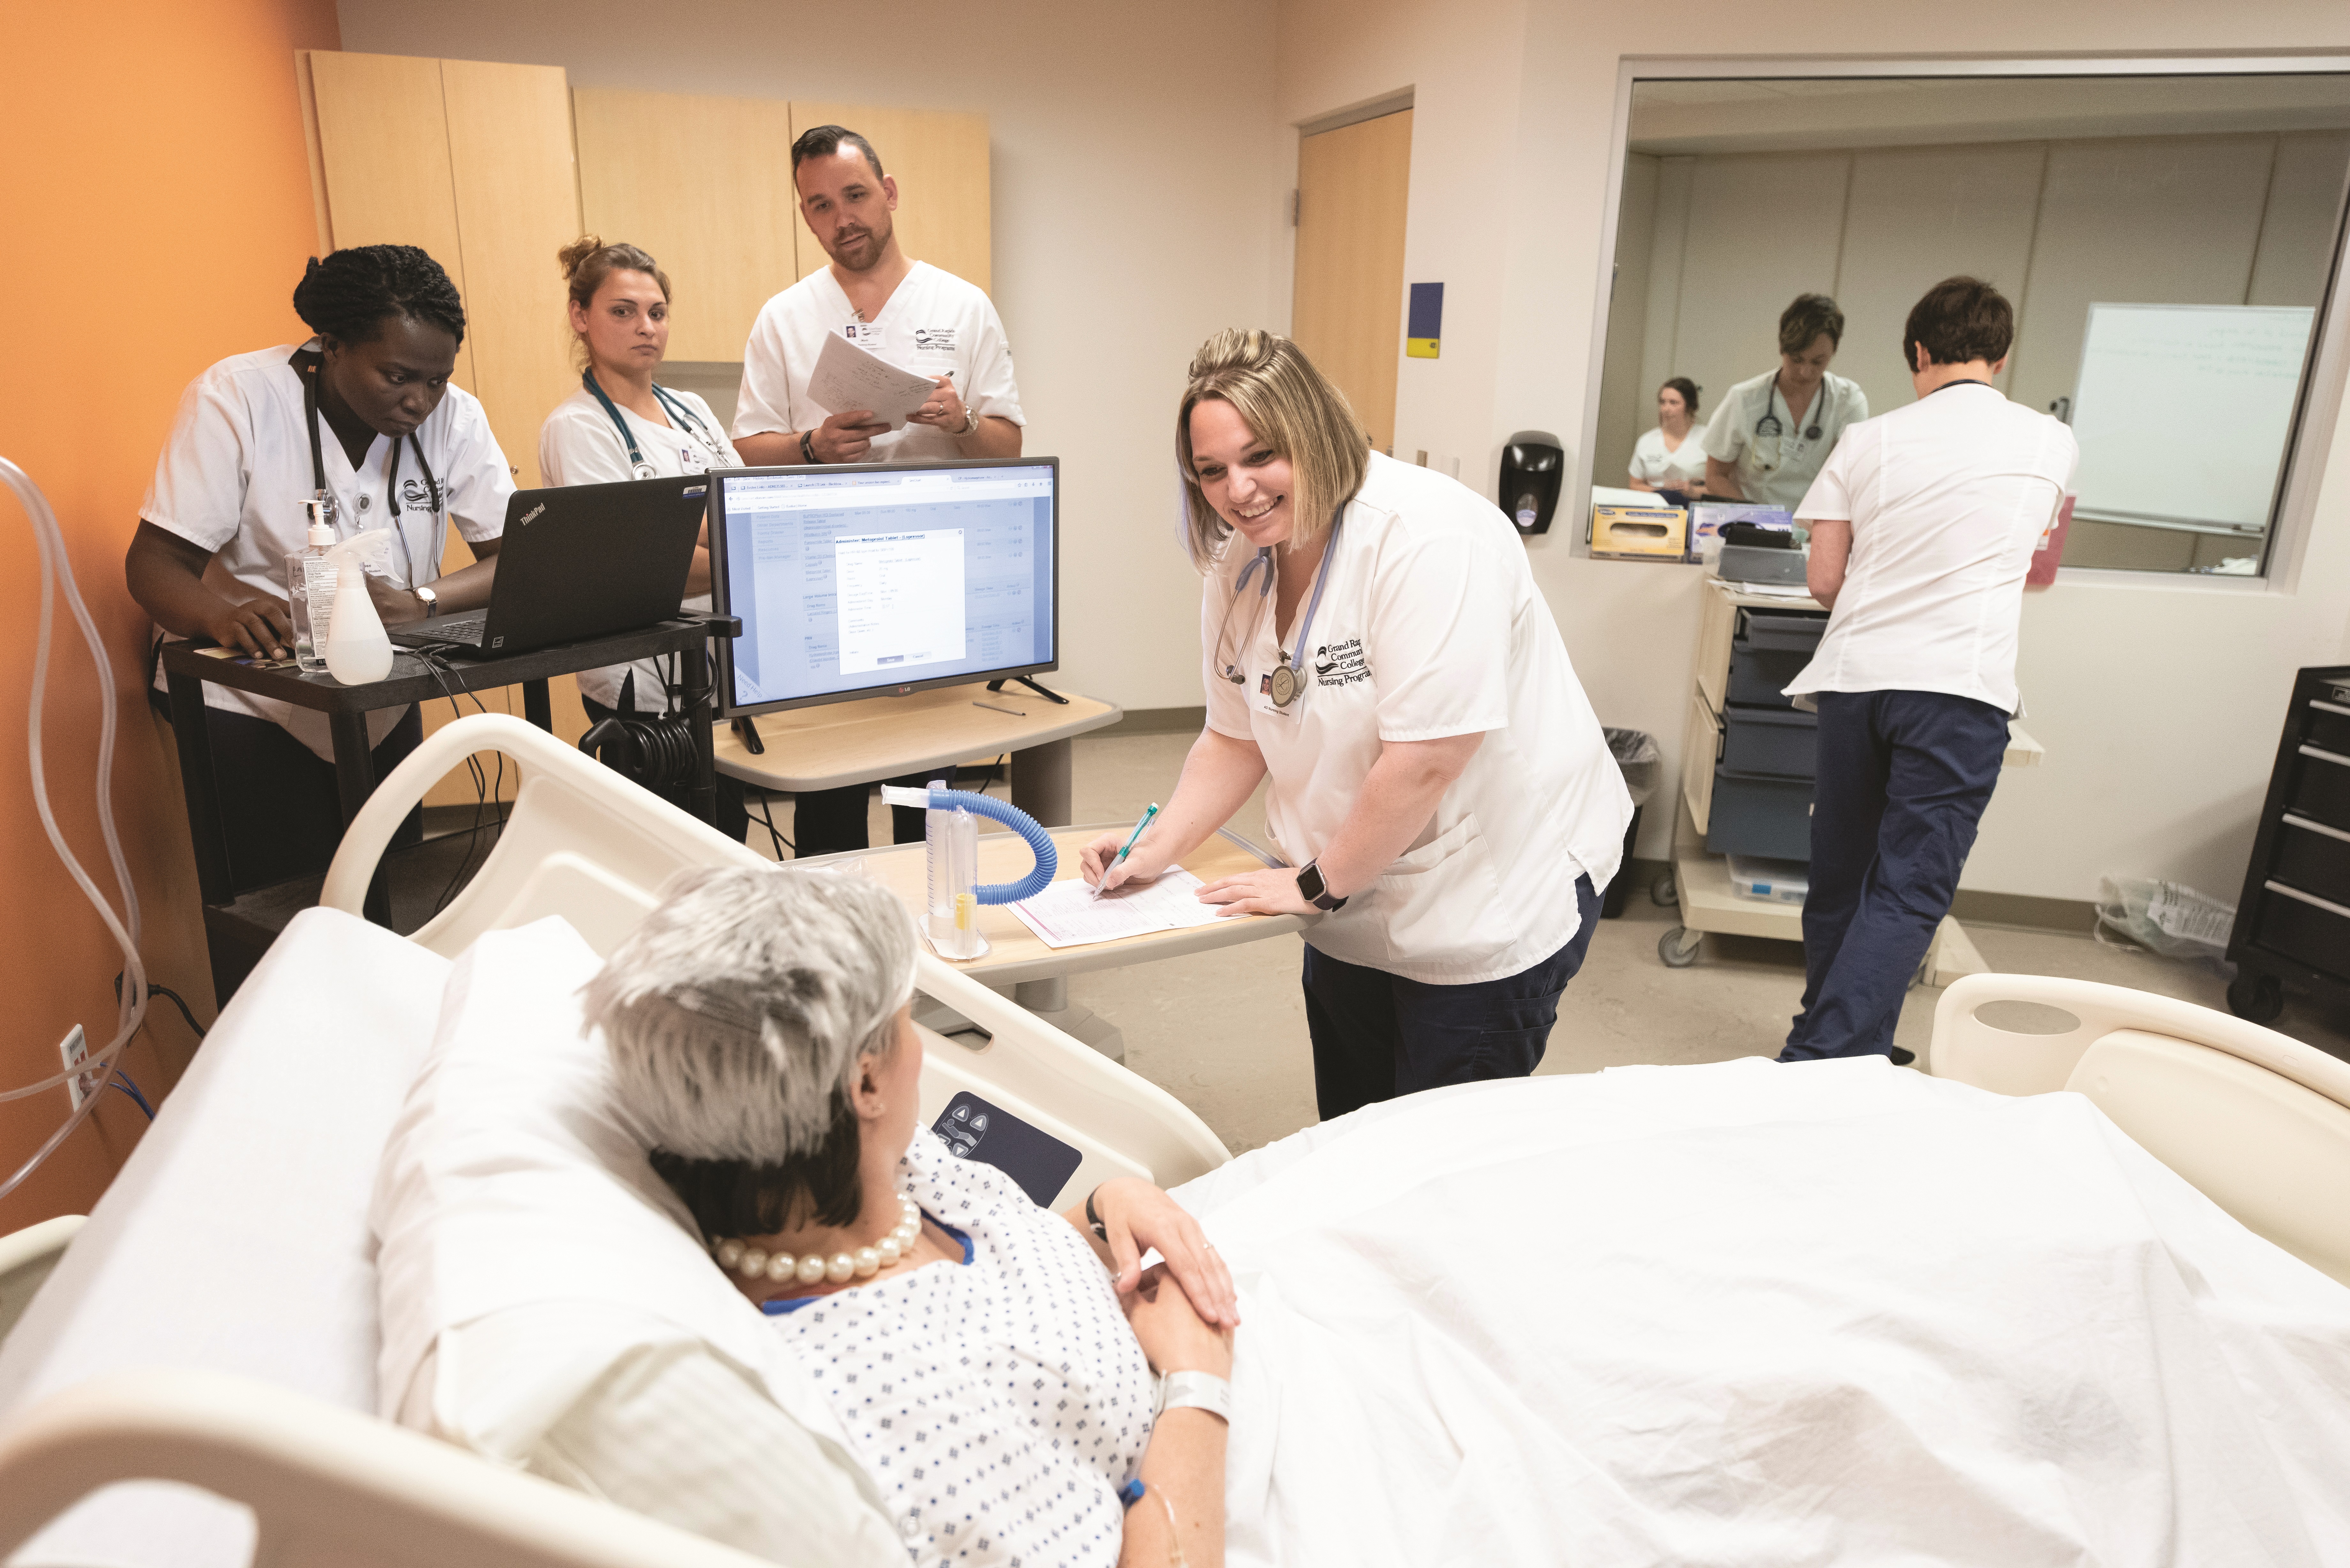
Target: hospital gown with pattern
<point>998,1405</point>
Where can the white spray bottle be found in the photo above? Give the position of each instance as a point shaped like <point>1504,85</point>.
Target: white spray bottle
<point>357,651</point>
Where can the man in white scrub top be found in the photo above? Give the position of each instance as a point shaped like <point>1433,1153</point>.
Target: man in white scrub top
<point>397,445</point>
<point>1772,431</point>
<point>909,313</point>
<point>1923,525</point>
<point>1437,780</point>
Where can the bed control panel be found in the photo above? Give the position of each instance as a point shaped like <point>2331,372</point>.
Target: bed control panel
<point>1041,1163</point>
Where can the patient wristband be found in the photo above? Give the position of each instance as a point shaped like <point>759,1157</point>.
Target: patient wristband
<point>1195,1391</point>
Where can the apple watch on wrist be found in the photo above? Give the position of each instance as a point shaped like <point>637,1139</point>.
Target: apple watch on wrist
<point>1195,1391</point>
<point>429,599</point>
<point>1315,891</point>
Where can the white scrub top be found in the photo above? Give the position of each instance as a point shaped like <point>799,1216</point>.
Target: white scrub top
<point>1775,471</point>
<point>1948,499</point>
<point>1430,625</point>
<point>1653,464</point>
<point>580,445</point>
<point>934,323</point>
<point>237,469</point>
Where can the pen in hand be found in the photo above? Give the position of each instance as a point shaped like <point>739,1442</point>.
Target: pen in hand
<point>1131,840</point>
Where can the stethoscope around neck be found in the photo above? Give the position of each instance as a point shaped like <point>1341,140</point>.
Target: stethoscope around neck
<point>681,416</point>
<point>307,361</point>
<point>1285,684</point>
<point>1769,427</point>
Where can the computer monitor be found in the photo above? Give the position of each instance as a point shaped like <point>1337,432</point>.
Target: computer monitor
<point>887,577</point>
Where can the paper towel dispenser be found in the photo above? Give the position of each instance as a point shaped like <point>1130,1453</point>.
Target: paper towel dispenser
<point>1533,467</point>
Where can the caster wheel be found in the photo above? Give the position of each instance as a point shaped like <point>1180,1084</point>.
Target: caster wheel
<point>1679,947</point>
<point>1665,893</point>
<point>2256,998</point>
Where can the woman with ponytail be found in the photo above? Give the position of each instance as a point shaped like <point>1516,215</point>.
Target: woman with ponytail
<point>1374,645</point>
<point>361,416</point>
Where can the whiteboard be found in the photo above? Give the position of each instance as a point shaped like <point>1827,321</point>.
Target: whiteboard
<point>2182,411</point>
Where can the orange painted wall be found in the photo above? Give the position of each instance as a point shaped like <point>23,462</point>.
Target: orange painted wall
<point>157,198</point>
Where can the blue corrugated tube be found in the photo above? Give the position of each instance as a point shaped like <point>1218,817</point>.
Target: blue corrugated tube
<point>1048,859</point>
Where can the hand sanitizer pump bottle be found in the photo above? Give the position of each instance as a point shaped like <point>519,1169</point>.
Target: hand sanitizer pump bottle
<point>310,591</point>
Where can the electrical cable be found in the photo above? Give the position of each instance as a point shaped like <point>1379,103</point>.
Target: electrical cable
<point>767,815</point>
<point>56,575</point>
<point>123,1083</point>
<point>175,999</point>
<point>486,788</point>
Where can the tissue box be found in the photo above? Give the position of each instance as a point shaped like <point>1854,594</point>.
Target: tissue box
<point>1640,532</point>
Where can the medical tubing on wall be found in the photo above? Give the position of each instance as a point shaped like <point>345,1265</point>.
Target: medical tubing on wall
<point>1048,859</point>
<point>56,570</point>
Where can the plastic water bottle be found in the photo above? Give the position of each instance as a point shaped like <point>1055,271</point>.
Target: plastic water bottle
<point>311,591</point>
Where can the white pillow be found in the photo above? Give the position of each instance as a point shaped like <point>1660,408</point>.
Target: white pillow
<point>511,1181</point>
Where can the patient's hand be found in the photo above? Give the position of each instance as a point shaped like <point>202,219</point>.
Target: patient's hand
<point>1176,1337</point>
<point>1140,1217</point>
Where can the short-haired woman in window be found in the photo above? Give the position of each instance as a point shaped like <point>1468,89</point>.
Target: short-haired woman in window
<point>1772,431</point>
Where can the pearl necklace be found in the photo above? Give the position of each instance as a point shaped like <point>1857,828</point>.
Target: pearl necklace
<point>781,1268</point>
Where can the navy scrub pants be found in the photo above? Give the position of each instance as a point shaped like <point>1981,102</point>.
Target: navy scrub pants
<point>1378,1035</point>
<point>1903,780</point>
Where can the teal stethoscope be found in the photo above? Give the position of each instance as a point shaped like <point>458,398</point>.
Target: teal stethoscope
<point>680,415</point>
<point>1285,683</point>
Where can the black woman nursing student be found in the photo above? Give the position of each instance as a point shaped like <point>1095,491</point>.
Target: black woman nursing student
<point>363,417</point>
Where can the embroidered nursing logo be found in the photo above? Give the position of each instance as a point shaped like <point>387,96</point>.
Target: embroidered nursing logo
<point>940,337</point>
<point>1341,663</point>
<point>412,494</point>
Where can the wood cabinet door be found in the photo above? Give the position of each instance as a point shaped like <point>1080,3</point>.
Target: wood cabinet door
<point>939,161</point>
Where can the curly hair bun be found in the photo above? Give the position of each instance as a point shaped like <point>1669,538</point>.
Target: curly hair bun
<point>349,294</point>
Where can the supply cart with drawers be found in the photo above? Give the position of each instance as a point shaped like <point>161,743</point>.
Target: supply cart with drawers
<point>2292,923</point>
<point>1748,758</point>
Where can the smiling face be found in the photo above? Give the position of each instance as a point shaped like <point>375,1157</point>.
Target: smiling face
<point>1249,485</point>
<point>626,325</point>
<point>848,207</point>
<point>394,380</point>
<point>1801,373</point>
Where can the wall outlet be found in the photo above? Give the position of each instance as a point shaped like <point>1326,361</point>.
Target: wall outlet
<point>74,1049</point>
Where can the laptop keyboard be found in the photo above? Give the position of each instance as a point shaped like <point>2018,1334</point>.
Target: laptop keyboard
<point>466,629</point>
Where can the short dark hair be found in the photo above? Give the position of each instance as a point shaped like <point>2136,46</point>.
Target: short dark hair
<point>738,1197</point>
<point>1961,319</point>
<point>1688,390</point>
<point>823,141</point>
<point>351,295</point>
<point>1811,316</point>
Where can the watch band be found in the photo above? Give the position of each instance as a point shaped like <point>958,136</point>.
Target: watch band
<point>430,599</point>
<point>1195,1391</point>
<point>1100,1231</point>
<point>970,421</point>
<point>807,447</point>
<point>1315,891</point>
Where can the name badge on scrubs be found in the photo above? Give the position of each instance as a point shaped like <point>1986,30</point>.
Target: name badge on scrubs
<point>866,334</point>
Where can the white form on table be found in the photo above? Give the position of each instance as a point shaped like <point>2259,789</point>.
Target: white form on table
<point>847,376</point>
<point>1067,915</point>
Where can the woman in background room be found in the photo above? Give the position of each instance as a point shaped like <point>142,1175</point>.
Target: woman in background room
<point>1771,434</point>
<point>1666,458</point>
<point>621,426</point>
<point>363,417</point>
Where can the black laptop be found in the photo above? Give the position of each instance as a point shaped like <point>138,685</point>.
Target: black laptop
<point>588,560</point>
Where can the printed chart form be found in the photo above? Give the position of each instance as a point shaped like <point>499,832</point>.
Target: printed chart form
<point>901,597</point>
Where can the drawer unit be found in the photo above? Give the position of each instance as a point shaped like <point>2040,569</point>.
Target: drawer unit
<point>1771,649</point>
<point>1760,814</point>
<point>1778,741</point>
<point>2292,923</point>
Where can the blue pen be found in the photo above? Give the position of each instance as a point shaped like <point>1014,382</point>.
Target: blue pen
<point>1131,840</point>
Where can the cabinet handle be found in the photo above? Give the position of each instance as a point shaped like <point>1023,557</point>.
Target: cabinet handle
<point>2328,905</point>
<point>2290,820</point>
<point>2325,756</point>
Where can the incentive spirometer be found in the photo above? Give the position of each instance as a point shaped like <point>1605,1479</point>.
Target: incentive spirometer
<point>951,908</point>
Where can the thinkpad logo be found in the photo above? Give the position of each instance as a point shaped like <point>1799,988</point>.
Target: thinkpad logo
<point>525,519</point>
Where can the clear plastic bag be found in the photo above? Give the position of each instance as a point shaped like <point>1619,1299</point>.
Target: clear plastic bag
<point>1635,752</point>
<point>2166,918</point>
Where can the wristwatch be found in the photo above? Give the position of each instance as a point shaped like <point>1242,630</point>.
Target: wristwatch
<point>431,600</point>
<point>970,421</point>
<point>1316,891</point>
<point>1195,1391</point>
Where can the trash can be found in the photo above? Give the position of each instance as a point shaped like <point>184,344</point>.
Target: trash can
<point>1635,751</point>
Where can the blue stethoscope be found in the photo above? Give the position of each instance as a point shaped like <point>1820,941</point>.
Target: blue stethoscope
<point>1285,683</point>
<point>680,415</point>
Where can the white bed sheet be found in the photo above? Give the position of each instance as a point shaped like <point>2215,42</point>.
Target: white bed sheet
<point>1760,1314</point>
<point>278,1282</point>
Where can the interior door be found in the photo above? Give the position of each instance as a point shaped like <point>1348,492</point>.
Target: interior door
<point>1353,184</point>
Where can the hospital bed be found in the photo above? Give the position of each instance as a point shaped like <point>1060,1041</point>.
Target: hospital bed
<point>211,1333</point>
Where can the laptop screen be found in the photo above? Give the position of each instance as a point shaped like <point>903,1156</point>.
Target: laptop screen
<point>887,577</point>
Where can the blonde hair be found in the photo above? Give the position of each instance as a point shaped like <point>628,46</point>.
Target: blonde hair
<point>1294,409</point>
<point>587,261</point>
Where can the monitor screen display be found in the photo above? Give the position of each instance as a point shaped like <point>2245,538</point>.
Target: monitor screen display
<point>887,577</point>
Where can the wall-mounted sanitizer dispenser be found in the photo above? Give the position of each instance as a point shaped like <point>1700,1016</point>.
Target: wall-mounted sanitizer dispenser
<point>1533,465</point>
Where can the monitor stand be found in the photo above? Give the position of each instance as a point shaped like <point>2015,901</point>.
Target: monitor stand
<point>1032,686</point>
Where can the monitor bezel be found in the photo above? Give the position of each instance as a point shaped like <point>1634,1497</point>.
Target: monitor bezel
<point>720,594</point>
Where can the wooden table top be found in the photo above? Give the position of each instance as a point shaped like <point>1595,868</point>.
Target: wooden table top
<point>883,737</point>
<point>1016,953</point>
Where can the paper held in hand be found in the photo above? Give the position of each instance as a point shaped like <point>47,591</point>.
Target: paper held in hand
<point>847,376</point>
<point>1067,915</point>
